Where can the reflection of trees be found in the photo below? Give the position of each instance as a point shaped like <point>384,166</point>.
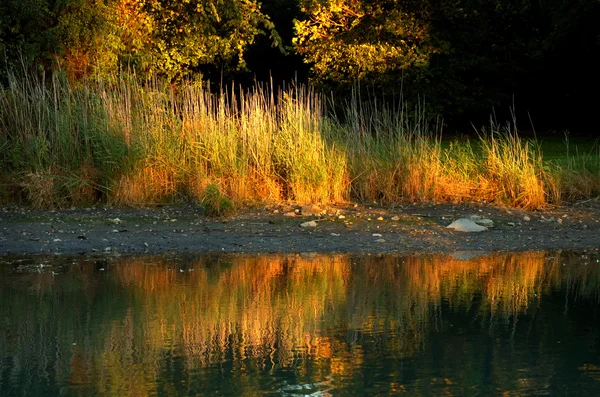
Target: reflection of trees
<point>146,320</point>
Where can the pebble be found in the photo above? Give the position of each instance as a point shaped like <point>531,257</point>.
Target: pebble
<point>395,218</point>
<point>311,209</point>
<point>526,218</point>
<point>380,218</point>
<point>380,240</point>
<point>341,217</point>
<point>376,235</point>
<point>485,222</point>
<point>309,224</point>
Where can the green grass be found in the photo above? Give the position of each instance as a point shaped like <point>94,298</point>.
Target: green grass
<point>127,142</point>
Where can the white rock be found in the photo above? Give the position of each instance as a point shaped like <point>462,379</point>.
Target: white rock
<point>466,225</point>
<point>309,224</point>
<point>526,218</point>
<point>395,218</point>
<point>380,218</point>
<point>376,235</point>
<point>291,213</point>
<point>341,217</point>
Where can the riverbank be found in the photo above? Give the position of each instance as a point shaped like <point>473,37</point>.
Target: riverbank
<point>418,228</point>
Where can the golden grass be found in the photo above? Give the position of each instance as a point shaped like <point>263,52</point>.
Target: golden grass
<point>133,143</point>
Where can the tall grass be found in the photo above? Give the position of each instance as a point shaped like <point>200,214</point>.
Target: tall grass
<point>128,142</point>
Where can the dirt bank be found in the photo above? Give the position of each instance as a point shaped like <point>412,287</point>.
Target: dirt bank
<point>369,229</point>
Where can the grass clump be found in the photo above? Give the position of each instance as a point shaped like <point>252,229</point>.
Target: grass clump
<point>131,142</point>
<point>215,203</point>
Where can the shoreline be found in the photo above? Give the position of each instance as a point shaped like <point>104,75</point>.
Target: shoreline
<point>407,229</point>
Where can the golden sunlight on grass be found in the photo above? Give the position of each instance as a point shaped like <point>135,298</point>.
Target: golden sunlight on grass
<point>132,144</point>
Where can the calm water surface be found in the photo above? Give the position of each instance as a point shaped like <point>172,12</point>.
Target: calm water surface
<point>305,325</point>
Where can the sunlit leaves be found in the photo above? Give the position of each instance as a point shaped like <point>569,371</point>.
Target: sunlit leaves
<point>170,38</point>
<point>346,40</point>
<point>186,35</point>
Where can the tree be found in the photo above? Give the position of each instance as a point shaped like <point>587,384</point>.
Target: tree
<point>175,39</point>
<point>27,32</point>
<point>349,40</point>
<point>185,36</point>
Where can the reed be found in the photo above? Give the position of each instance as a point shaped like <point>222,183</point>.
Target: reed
<point>130,142</point>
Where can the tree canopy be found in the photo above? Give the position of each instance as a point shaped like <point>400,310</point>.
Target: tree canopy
<point>464,56</point>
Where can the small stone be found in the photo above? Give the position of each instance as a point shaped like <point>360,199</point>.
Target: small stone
<point>395,218</point>
<point>311,209</point>
<point>291,213</point>
<point>380,240</point>
<point>309,224</point>
<point>57,240</point>
<point>510,223</point>
<point>116,221</point>
<point>526,218</point>
<point>485,222</point>
<point>335,234</point>
<point>585,226</point>
<point>341,217</point>
<point>559,220</point>
<point>376,235</point>
<point>107,249</point>
<point>380,218</point>
<point>276,211</point>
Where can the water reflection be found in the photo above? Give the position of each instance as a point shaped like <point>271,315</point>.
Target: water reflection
<point>301,325</point>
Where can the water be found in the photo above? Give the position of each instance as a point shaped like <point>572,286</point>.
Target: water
<point>304,325</point>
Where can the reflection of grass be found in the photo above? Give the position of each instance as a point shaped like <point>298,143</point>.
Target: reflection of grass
<point>133,143</point>
<point>264,311</point>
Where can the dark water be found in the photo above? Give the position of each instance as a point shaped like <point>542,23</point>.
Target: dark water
<point>504,324</point>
